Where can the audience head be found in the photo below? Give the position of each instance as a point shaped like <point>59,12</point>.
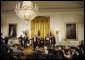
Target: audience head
<point>59,48</point>
<point>20,35</point>
<point>82,42</point>
<point>45,47</point>
<point>67,47</point>
<point>82,50</point>
<point>15,46</point>
<point>78,47</point>
<point>37,48</point>
<point>52,48</point>
<point>5,36</point>
<point>74,50</point>
<point>67,52</point>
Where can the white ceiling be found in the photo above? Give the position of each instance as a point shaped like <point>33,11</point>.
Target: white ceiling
<point>10,5</point>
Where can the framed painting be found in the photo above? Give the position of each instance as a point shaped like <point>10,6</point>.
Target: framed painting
<point>12,31</point>
<point>71,31</point>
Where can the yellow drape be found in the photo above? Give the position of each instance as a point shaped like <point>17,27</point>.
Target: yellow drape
<point>42,24</point>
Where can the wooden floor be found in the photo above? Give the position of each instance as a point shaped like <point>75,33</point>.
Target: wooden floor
<point>27,51</point>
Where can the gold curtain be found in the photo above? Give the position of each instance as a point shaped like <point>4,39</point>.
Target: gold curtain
<point>42,24</point>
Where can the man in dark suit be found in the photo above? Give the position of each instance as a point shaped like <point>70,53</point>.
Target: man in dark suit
<point>21,40</point>
<point>6,39</point>
<point>34,42</point>
<point>81,44</point>
<point>25,41</point>
<point>53,41</point>
<point>42,42</point>
<point>47,40</point>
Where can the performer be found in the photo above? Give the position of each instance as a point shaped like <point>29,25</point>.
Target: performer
<point>25,41</point>
<point>34,42</point>
<point>21,40</point>
<point>53,41</point>
<point>47,41</point>
<point>6,39</point>
<point>42,42</point>
<point>38,41</point>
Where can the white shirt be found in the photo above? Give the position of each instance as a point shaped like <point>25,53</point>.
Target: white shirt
<point>34,39</point>
<point>46,51</point>
<point>47,38</point>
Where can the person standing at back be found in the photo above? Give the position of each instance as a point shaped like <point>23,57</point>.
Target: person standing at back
<point>34,41</point>
<point>38,41</point>
<point>6,39</point>
<point>21,40</point>
<point>42,42</point>
<point>25,41</point>
<point>53,41</point>
<point>47,40</point>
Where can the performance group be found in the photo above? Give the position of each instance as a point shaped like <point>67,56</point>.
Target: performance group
<point>49,41</point>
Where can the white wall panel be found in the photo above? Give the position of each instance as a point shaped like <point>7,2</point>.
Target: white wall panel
<point>57,21</point>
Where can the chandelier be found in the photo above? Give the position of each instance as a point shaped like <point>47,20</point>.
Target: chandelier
<point>26,10</point>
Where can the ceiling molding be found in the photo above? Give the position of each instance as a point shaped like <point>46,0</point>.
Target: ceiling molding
<point>41,9</point>
<point>64,8</point>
